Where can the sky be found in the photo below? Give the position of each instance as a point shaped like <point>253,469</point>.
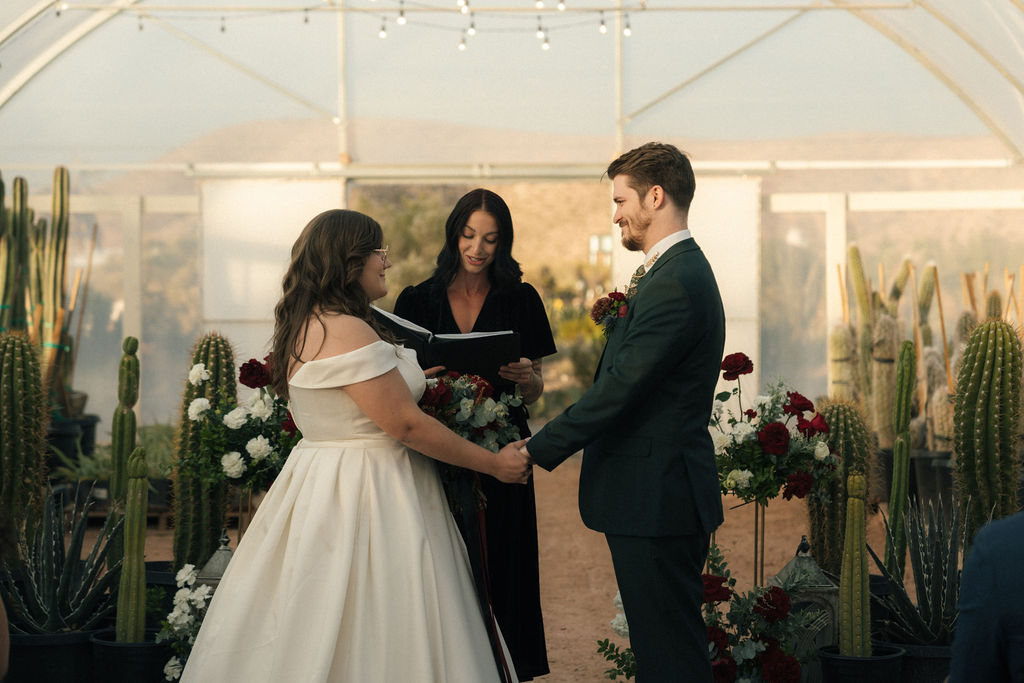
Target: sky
<point>130,95</point>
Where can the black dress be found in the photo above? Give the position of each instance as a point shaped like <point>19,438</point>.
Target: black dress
<point>511,513</point>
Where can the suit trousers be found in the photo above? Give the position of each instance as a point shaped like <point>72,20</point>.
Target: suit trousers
<point>662,593</point>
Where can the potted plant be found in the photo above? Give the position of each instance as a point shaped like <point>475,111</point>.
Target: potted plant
<point>55,599</point>
<point>924,626</point>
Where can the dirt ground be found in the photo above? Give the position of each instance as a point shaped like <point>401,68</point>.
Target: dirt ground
<point>577,579</point>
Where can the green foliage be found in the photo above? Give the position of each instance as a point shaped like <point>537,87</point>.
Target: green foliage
<point>23,420</point>
<point>159,442</point>
<point>623,660</point>
<point>131,596</point>
<point>986,417</point>
<point>60,591</point>
<point>854,595</point>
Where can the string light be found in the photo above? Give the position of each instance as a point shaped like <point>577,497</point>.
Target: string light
<point>140,22</point>
<point>545,45</point>
<point>401,13</point>
<point>465,8</point>
<point>472,26</point>
<point>462,3</point>
<point>540,4</point>
<point>561,5</point>
<point>305,16</point>
<point>462,44</point>
<point>603,28</point>
<point>223,25</point>
<point>383,32</point>
<point>627,31</point>
<point>540,30</point>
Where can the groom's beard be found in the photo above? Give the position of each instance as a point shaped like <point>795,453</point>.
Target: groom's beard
<point>633,233</point>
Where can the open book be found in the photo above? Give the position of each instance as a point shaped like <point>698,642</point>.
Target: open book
<point>478,353</point>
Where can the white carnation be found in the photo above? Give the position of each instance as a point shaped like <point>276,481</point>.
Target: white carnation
<point>741,431</point>
<point>740,479</point>
<point>198,374</point>
<point>200,595</point>
<point>172,669</point>
<point>263,408</point>
<point>197,407</point>
<point>620,625</point>
<point>232,464</point>
<point>258,448</point>
<point>181,597</point>
<point>236,418</point>
<point>720,441</point>
<point>761,402</point>
<point>820,451</point>
<point>186,575</point>
<point>180,617</point>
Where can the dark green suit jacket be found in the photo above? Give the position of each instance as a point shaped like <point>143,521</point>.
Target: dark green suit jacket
<point>648,464</point>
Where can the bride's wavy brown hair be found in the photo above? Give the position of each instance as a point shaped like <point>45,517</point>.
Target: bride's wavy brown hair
<point>323,277</point>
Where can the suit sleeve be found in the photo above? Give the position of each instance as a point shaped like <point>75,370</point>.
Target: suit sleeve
<point>977,652</point>
<point>664,328</point>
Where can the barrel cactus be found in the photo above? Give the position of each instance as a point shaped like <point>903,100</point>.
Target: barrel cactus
<point>986,423</point>
<point>899,495</point>
<point>854,595</point>
<point>200,507</point>
<point>24,416</point>
<point>848,438</point>
<point>123,434</point>
<point>131,595</point>
<point>842,358</point>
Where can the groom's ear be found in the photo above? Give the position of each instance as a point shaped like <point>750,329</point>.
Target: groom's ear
<point>657,196</point>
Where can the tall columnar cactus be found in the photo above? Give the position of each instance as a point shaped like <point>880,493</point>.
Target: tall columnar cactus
<point>925,296</point>
<point>854,595</point>
<point>24,416</point>
<point>849,439</point>
<point>200,508</point>
<point>883,378</point>
<point>131,596</point>
<point>123,434</point>
<point>899,495</point>
<point>986,420</point>
<point>940,416</point>
<point>865,322</point>
<point>994,306</point>
<point>52,246</point>
<point>842,358</point>
<point>899,283</point>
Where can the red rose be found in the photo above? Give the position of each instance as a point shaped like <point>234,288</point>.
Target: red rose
<point>820,424</point>
<point>724,669</point>
<point>288,425</point>
<point>622,310</point>
<point>736,364</point>
<point>774,438</point>
<point>254,374</point>
<point>718,638</point>
<point>616,296</point>
<point>774,605</point>
<point>750,413</point>
<point>778,667</point>
<point>715,589</point>
<point>798,404</point>
<point>797,484</point>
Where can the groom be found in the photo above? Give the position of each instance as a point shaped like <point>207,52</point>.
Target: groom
<point>649,479</point>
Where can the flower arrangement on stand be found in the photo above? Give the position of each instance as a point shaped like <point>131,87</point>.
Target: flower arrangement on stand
<point>246,444</point>
<point>181,626</point>
<point>776,444</point>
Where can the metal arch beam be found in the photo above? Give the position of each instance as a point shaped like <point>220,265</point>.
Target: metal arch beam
<point>947,80</point>
<point>24,20</point>
<point>47,56</point>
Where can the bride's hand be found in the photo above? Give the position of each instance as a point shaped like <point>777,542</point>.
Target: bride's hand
<point>511,465</point>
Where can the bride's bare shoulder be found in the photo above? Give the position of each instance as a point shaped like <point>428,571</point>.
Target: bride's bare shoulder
<point>331,334</point>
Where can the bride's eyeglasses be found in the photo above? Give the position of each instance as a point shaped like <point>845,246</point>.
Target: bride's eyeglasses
<point>382,253</point>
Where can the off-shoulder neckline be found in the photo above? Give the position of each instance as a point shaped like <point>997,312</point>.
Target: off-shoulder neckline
<point>337,356</point>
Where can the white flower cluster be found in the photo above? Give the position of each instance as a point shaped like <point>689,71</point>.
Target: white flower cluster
<point>197,409</point>
<point>619,623</point>
<point>232,464</point>
<point>198,374</point>
<point>738,479</point>
<point>182,624</point>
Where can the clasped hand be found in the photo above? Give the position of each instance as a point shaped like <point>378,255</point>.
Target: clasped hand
<point>514,465</point>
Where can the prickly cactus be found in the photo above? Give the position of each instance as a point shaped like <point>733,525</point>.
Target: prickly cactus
<point>899,495</point>
<point>986,420</point>
<point>131,596</point>
<point>899,283</point>
<point>883,378</point>
<point>854,595</point>
<point>849,439</point>
<point>123,434</point>
<point>925,295</point>
<point>200,508</point>
<point>940,417</point>
<point>842,358</point>
<point>994,306</point>
<point>865,322</point>
<point>24,417</point>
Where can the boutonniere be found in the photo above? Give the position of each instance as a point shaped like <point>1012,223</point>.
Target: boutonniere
<point>608,309</point>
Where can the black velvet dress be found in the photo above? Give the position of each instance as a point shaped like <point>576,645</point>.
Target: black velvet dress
<point>511,513</point>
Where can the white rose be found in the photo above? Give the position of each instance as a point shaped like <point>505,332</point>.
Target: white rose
<point>258,448</point>
<point>197,407</point>
<point>720,441</point>
<point>820,451</point>
<point>236,418</point>
<point>198,374</point>
<point>172,669</point>
<point>186,575</point>
<point>263,408</point>
<point>232,464</point>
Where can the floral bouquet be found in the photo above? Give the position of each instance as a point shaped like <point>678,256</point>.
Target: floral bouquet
<point>757,639</point>
<point>608,309</point>
<point>181,626</point>
<point>247,445</point>
<point>771,446</point>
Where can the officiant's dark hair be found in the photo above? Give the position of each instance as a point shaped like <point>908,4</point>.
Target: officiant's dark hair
<point>657,163</point>
<point>505,271</point>
<point>323,277</point>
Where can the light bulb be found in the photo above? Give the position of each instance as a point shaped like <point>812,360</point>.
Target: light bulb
<point>383,33</point>
<point>462,45</point>
<point>545,45</point>
<point>472,28</point>
<point>561,6</point>
<point>540,4</point>
<point>401,18</point>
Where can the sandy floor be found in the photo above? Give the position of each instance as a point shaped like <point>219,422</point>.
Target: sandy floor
<point>577,580</point>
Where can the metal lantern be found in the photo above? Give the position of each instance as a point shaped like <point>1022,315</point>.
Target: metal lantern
<point>214,568</point>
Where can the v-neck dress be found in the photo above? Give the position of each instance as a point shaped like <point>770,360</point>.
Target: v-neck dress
<point>511,513</point>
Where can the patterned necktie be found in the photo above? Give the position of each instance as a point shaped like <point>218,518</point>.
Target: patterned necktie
<point>633,281</point>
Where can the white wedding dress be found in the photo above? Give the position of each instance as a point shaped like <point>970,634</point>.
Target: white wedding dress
<point>352,570</point>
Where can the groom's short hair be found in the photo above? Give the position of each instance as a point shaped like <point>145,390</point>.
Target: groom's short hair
<point>657,163</point>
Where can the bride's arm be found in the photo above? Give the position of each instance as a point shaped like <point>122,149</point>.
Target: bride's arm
<point>386,400</point>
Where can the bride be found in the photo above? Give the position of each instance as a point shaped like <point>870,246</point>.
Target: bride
<point>352,570</point>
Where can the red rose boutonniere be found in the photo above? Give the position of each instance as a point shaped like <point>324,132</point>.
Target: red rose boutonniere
<point>608,309</point>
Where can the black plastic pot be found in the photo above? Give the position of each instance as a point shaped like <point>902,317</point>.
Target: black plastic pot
<point>65,657</point>
<point>926,663</point>
<point>116,662</point>
<point>883,666</point>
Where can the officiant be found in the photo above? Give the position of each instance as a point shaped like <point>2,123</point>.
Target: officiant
<point>478,287</point>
